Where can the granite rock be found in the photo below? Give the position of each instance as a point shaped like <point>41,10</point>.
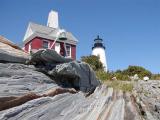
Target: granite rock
<point>9,52</point>
<point>18,79</point>
<point>75,74</point>
<point>104,103</point>
<point>147,94</point>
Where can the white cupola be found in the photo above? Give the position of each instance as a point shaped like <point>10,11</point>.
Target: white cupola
<point>53,19</point>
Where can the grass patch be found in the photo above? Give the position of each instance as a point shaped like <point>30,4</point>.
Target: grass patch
<point>125,86</point>
<point>104,76</point>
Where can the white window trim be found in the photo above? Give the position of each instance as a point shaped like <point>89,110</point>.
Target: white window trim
<point>59,45</point>
<point>70,50</point>
<point>30,47</point>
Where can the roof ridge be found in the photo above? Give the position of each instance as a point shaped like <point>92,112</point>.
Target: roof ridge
<point>32,23</point>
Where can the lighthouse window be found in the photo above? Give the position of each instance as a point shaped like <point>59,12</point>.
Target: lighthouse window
<point>68,50</point>
<point>45,44</point>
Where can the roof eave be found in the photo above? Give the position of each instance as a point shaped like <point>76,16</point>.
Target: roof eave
<point>31,37</point>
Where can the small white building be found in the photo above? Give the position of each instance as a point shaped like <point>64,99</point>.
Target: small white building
<point>98,49</point>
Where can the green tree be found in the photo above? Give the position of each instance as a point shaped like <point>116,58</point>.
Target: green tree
<point>93,61</point>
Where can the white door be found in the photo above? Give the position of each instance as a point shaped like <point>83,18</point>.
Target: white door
<point>57,47</point>
<point>29,47</point>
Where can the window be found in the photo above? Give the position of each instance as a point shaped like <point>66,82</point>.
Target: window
<point>45,44</point>
<point>68,50</point>
<point>57,47</point>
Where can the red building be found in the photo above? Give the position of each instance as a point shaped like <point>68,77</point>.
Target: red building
<point>49,37</point>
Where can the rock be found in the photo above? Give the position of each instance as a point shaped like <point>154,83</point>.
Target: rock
<point>135,77</point>
<point>145,78</point>
<point>75,74</point>
<point>16,101</point>
<point>104,103</point>
<point>114,78</point>
<point>8,57</point>
<point>49,101</point>
<point>47,56</point>
<point>18,79</point>
<point>148,94</point>
<point>28,94</point>
<point>9,52</point>
<point>8,42</point>
<point>65,71</point>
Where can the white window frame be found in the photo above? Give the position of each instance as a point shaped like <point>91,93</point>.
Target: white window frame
<point>69,50</point>
<point>57,44</point>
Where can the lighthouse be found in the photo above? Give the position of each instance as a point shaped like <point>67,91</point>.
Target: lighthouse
<point>98,49</point>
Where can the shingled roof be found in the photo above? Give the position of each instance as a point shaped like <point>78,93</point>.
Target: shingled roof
<point>36,30</point>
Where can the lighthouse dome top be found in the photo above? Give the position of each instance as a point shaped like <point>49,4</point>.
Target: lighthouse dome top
<point>98,38</point>
<point>98,43</point>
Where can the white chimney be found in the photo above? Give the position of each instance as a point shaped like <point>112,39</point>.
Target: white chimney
<point>53,19</point>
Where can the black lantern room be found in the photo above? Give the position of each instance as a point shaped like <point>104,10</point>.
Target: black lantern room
<point>98,43</point>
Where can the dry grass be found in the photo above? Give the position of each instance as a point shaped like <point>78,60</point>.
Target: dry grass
<point>125,86</point>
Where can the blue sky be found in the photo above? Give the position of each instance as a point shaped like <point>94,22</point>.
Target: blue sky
<point>130,28</point>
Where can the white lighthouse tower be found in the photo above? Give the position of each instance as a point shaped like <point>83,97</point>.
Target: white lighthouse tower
<point>98,49</point>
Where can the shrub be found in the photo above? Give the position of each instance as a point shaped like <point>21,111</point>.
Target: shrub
<point>102,75</point>
<point>140,71</point>
<point>93,61</point>
<point>97,66</point>
<point>121,76</point>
